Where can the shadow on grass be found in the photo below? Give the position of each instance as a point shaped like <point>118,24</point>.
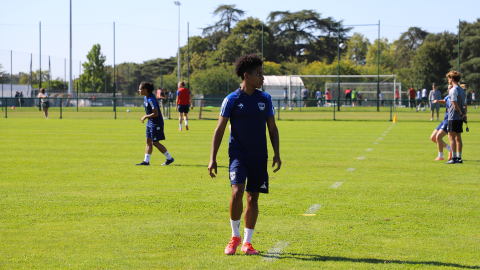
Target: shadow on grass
<point>313,257</point>
<point>205,166</point>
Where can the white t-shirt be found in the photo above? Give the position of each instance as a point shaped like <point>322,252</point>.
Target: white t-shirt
<point>294,95</point>
<point>473,96</point>
<point>43,98</point>
<point>424,93</point>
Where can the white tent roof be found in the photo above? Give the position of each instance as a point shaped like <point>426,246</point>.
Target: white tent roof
<point>281,81</point>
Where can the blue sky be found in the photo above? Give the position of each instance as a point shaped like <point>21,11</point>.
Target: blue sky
<point>147,29</point>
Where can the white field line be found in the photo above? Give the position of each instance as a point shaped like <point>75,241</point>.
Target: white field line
<point>275,252</point>
<point>384,135</point>
<point>381,138</point>
<point>361,158</point>
<point>369,149</point>
<point>375,142</point>
<point>313,209</point>
<point>350,169</point>
<point>336,184</point>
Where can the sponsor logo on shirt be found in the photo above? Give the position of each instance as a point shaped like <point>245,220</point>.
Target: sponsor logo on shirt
<point>261,106</point>
<point>240,106</point>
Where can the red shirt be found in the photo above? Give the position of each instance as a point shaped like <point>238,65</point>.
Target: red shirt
<point>329,95</point>
<point>183,95</point>
<point>396,93</point>
<point>412,93</point>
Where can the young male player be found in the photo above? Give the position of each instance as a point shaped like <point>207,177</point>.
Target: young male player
<point>457,114</point>
<point>183,102</point>
<point>154,124</point>
<point>441,130</point>
<point>432,96</point>
<point>249,111</point>
<point>411,94</point>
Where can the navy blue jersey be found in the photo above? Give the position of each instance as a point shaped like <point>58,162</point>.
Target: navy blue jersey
<point>248,117</point>
<point>150,104</point>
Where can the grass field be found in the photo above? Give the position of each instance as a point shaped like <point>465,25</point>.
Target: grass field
<point>71,197</point>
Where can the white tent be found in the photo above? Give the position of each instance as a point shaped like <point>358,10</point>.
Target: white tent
<point>274,85</point>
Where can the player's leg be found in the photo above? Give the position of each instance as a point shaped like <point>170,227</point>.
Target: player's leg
<point>453,144</point>
<point>238,176</point>
<point>431,112</point>
<point>441,144</point>
<point>438,111</point>
<point>185,117</point>
<point>458,140</point>
<point>148,148</point>
<point>157,136</point>
<point>179,118</point>
<point>433,137</point>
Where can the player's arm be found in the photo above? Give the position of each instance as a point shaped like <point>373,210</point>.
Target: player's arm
<point>154,114</point>
<point>464,118</point>
<point>441,102</point>
<point>216,141</point>
<point>191,100</point>
<point>275,140</point>
<point>176,102</point>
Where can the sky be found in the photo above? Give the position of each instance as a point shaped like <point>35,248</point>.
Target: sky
<point>146,29</point>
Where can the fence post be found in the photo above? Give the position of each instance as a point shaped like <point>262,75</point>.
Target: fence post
<point>115,105</point>
<point>5,107</point>
<point>391,105</point>
<point>333,111</point>
<point>278,117</point>
<point>61,108</point>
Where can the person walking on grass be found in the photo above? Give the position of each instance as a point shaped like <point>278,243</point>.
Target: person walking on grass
<point>354,97</point>
<point>305,93</point>
<point>154,131</point>
<point>457,114</point>
<point>250,111</point>
<point>44,101</point>
<point>432,96</point>
<point>182,104</point>
<point>412,94</point>
<point>441,130</point>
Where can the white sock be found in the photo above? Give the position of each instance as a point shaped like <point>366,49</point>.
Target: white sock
<point>186,122</point>
<point>248,236</point>
<point>440,154</point>
<point>449,148</point>
<point>180,126</point>
<point>459,154</point>
<point>147,158</point>
<point>167,155</point>
<point>454,154</point>
<point>235,227</point>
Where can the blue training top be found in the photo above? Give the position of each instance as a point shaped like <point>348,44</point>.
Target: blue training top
<point>248,117</point>
<point>447,104</point>
<point>151,103</point>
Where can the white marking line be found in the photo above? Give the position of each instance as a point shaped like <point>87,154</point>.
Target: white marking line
<point>275,252</point>
<point>350,169</point>
<point>369,149</point>
<point>375,142</point>
<point>381,138</point>
<point>384,134</point>
<point>313,209</point>
<point>336,184</point>
<point>361,157</point>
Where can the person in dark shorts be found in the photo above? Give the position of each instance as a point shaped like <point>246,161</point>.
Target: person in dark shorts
<point>441,130</point>
<point>412,94</point>
<point>249,111</point>
<point>45,103</point>
<point>154,131</point>
<point>183,103</point>
<point>457,114</point>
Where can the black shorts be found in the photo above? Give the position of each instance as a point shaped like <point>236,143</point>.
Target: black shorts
<point>255,170</point>
<point>305,98</point>
<point>155,133</point>
<point>455,126</point>
<point>183,108</point>
<point>412,101</point>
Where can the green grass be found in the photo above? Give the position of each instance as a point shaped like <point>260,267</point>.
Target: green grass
<point>71,197</point>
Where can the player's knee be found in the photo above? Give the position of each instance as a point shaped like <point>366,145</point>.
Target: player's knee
<point>149,141</point>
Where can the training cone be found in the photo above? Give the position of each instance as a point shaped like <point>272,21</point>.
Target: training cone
<point>394,119</point>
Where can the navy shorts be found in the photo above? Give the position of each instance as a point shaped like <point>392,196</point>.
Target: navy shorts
<point>155,133</point>
<point>443,126</point>
<point>183,108</point>
<point>455,126</point>
<point>255,170</point>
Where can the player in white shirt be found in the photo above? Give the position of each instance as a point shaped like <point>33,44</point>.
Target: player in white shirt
<point>318,95</point>
<point>473,100</point>
<point>294,99</point>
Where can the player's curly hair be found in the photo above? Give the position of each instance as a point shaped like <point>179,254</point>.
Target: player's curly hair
<point>455,75</point>
<point>247,63</point>
<point>148,86</point>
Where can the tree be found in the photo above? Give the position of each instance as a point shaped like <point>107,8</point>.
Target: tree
<point>357,48</point>
<point>469,54</point>
<point>93,77</point>
<point>228,16</point>
<point>386,59</point>
<point>407,45</point>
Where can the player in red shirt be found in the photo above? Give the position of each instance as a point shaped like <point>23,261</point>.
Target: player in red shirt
<point>412,94</point>
<point>183,102</point>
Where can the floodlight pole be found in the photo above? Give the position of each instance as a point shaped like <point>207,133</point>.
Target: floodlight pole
<point>188,55</point>
<point>338,65</point>
<point>70,86</point>
<point>40,50</point>
<point>458,60</point>
<point>177,3</point>
<point>378,67</point>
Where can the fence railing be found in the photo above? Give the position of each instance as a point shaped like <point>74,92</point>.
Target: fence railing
<point>282,106</point>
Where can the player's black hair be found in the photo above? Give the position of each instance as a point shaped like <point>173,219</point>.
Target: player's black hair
<point>247,63</point>
<point>148,86</point>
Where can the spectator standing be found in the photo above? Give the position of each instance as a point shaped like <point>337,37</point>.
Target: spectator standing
<point>411,94</point>
<point>21,99</point>
<point>182,104</point>
<point>305,96</point>
<point>354,97</point>
<point>285,96</point>
<point>328,96</point>
<point>45,103</point>
<point>432,96</point>
<point>163,96</point>
<point>348,96</point>
<point>294,99</point>
<point>397,96</point>
<point>319,97</point>
<point>381,97</point>
<point>473,99</point>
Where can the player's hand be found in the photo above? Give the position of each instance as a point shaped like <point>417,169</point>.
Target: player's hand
<point>176,108</point>
<point>191,107</point>
<point>464,118</point>
<point>211,167</point>
<point>276,159</point>
<point>143,119</point>
<point>435,101</point>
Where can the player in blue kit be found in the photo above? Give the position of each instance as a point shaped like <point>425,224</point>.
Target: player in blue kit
<point>250,111</point>
<point>154,124</point>
<point>441,131</point>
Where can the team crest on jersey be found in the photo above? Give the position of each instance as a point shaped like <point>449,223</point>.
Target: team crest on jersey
<point>232,176</point>
<point>261,106</point>
<point>240,106</point>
